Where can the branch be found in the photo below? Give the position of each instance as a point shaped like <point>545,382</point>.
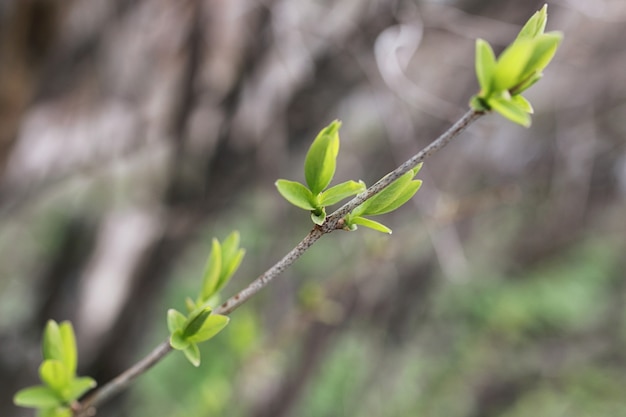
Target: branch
<point>255,286</point>
<point>88,406</point>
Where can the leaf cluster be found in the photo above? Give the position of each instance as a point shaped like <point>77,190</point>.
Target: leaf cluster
<point>61,387</point>
<point>395,195</point>
<point>187,331</point>
<point>518,67</point>
<point>200,324</point>
<point>319,169</point>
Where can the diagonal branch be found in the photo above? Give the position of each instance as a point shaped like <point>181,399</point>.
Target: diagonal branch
<point>88,406</point>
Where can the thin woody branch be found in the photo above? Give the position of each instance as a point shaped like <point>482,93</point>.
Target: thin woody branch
<point>88,406</point>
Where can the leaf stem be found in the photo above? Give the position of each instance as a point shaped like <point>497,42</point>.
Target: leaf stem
<point>88,406</point>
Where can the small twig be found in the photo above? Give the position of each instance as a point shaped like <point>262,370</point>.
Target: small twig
<point>88,406</point>
<point>255,286</point>
<point>102,394</point>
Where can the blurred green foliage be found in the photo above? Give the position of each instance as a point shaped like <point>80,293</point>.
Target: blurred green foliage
<point>529,332</point>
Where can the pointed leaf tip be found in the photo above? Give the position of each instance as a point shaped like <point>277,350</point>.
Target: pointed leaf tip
<point>321,159</point>
<point>192,353</point>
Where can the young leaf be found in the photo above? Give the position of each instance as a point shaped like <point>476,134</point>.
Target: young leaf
<point>511,64</point>
<point>403,195</point>
<point>318,219</point>
<point>320,162</point>
<point>212,271</point>
<point>232,256</point>
<point>230,246</point>
<point>380,203</point>
<point>230,267</point>
<point>54,374</point>
<point>479,103</point>
<point>340,191</point>
<point>195,321</point>
<point>193,354</point>
<point>52,345</point>
<point>535,25</point>
<point>212,326</point>
<point>371,224</point>
<point>55,412</point>
<point>70,356</point>
<point>545,47</point>
<point>38,396</point>
<point>526,84</point>
<point>79,386</point>
<point>511,110</point>
<point>175,320</point>
<point>296,193</point>
<point>177,341</point>
<point>485,66</point>
<point>190,305</point>
<point>522,103</point>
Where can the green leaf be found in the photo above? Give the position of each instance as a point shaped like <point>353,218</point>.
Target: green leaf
<point>321,159</point>
<point>230,246</point>
<point>296,193</point>
<point>522,103</point>
<point>177,341</point>
<point>212,271</point>
<point>535,25</point>
<point>190,305</point>
<point>193,354</point>
<point>52,345</point>
<point>54,374</point>
<point>38,396</point>
<point>545,47</point>
<point>511,110</point>
<point>212,326</point>
<point>232,256</point>
<point>511,64</point>
<point>55,412</point>
<point>70,356</point>
<point>230,267</point>
<point>79,386</point>
<point>479,103</point>
<point>195,321</point>
<point>318,219</point>
<point>403,196</point>
<point>341,191</point>
<point>371,224</point>
<point>526,84</point>
<point>175,320</point>
<point>392,197</point>
<point>485,66</point>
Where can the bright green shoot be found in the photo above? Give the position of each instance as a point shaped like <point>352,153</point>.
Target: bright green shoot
<point>395,195</point>
<point>200,324</point>
<point>187,331</point>
<point>61,387</point>
<point>223,262</point>
<point>319,170</point>
<point>518,67</point>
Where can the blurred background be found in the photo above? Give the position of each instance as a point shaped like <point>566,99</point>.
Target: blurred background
<point>134,131</point>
